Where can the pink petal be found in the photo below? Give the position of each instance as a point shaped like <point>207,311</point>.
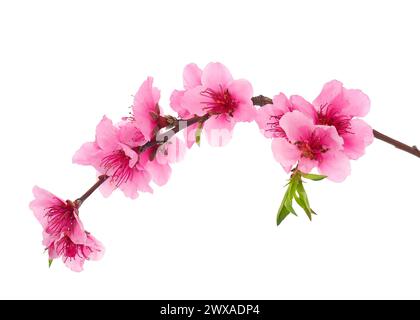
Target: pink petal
<point>193,101</point>
<point>146,101</point>
<point>329,137</point>
<point>306,165</point>
<point>268,116</point>
<point>360,137</point>
<point>133,155</point>
<point>146,97</point>
<point>216,75</point>
<point>300,104</point>
<point>357,103</point>
<point>43,200</point>
<point>282,103</point>
<point>160,172</point>
<point>245,112</point>
<point>329,93</point>
<point>142,179</point>
<point>78,234</point>
<point>75,264</point>
<point>264,117</point>
<point>285,153</point>
<point>297,126</point>
<point>88,154</point>
<point>130,134</point>
<point>129,188</point>
<point>335,165</point>
<point>192,76</point>
<point>176,103</point>
<point>219,130</point>
<point>97,248</point>
<point>106,135</point>
<point>241,90</point>
<point>107,188</point>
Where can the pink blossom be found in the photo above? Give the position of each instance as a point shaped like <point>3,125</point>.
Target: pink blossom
<point>74,254</point>
<point>112,154</point>
<point>57,216</point>
<point>63,232</point>
<point>213,91</point>
<point>310,146</point>
<point>337,106</point>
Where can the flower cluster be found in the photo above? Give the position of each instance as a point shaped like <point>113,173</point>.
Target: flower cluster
<point>63,232</point>
<point>139,150</point>
<point>324,135</point>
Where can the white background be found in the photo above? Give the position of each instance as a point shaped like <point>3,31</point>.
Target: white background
<point>210,232</point>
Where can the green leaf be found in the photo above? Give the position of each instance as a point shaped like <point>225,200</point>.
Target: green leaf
<point>198,133</point>
<point>303,200</point>
<point>282,214</point>
<point>312,176</point>
<point>50,261</point>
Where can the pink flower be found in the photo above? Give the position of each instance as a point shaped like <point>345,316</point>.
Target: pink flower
<point>310,146</point>
<point>112,154</point>
<point>337,106</point>
<point>57,217</point>
<point>213,91</point>
<point>63,232</point>
<point>74,254</point>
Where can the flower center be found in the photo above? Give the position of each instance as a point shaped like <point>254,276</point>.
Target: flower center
<point>330,117</point>
<point>60,218</point>
<point>221,102</point>
<point>312,148</point>
<point>274,126</point>
<point>67,248</point>
<point>117,166</point>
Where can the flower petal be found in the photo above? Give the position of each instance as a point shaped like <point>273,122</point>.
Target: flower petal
<point>106,135</point>
<point>241,91</point>
<point>335,165</point>
<point>43,200</point>
<point>219,130</point>
<point>285,153</point>
<point>300,104</point>
<point>88,154</point>
<point>357,103</point>
<point>192,76</point>
<point>193,101</point>
<point>297,126</point>
<point>329,93</point>
<point>358,139</point>
<point>216,75</point>
<point>160,172</point>
<point>176,103</point>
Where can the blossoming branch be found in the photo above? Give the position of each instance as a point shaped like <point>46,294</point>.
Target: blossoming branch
<point>138,150</point>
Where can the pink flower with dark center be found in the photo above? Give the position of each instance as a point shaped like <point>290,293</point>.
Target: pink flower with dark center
<point>308,146</point>
<point>112,154</point>
<point>213,91</point>
<point>56,216</point>
<point>63,232</point>
<point>75,254</point>
<point>339,107</point>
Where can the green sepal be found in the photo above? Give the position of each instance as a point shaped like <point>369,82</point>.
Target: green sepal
<point>50,261</point>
